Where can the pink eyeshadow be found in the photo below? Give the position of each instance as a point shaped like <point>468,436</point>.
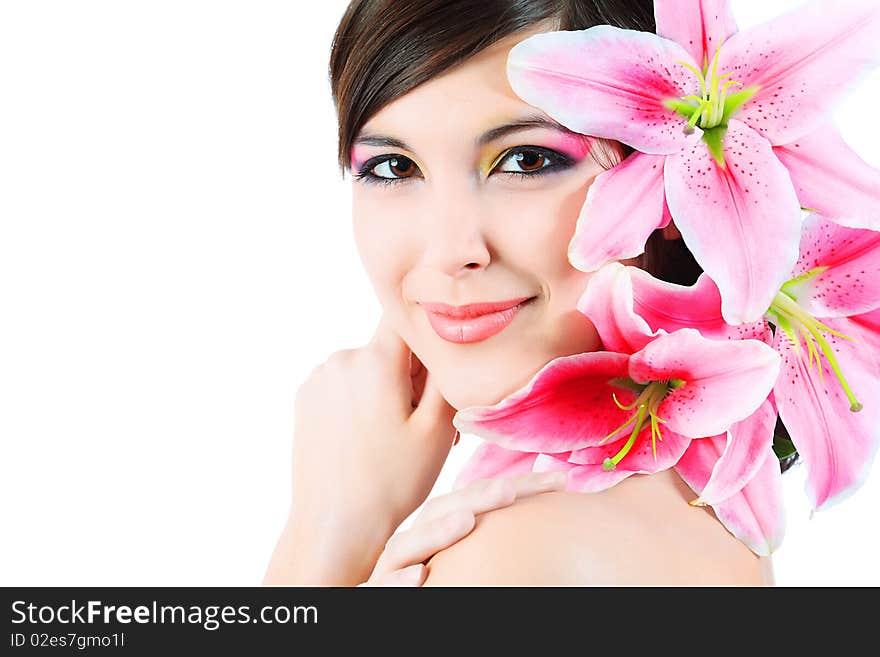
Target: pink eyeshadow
<point>577,147</point>
<point>358,155</point>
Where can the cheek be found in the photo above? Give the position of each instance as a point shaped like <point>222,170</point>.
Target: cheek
<point>538,224</point>
<point>538,227</point>
<point>382,249</point>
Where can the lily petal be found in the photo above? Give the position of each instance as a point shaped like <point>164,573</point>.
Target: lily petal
<point>846,269</point>
<point>832,179</point>
<point>756,514</point>
<point>725,381</point>
<point>607,82</point>
<point>581,478</point>
<point>567,405</point>
<point>670,307</point>
<point>747,444</point>
<point>867,330</point>
<point>699,26</point>
<point>836,444</point>
<point>624,205</point>
<point>608,302</point>
<point>489,460</point>
<point>749,206</point>
<point>804,61</point>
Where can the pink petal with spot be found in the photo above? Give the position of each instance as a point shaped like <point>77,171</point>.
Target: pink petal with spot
<point>608,302</point>
<point>725,381</point>
<point>671,307</point>
<point>606,82</point>
<point>567,405</point>
<point>742,222</point>
<point>832,179</point>
<point>747,444</point>
<point>699,26</point>
<point>624,205</point>
<point>581,478</point>
<point>836,444</point>
<point>640,457</point>
<point>489,461</point>
<point>851,283</point>
<point>756,514</point>
<point>804,61</point>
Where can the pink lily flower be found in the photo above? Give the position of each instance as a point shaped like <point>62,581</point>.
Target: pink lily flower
<point>827,322</point>
<point>736,473</point>
<point>600,413</point>
<point>731,128</point>
<point>827,319</point>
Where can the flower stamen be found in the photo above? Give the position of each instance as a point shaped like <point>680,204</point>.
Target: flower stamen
<point>713,108</point>
<point>647,403</point>
<point>799,325</point>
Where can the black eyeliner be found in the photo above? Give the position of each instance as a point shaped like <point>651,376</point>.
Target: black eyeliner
<point>561,162</point>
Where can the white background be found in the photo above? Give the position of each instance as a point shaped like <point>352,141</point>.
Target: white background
<point>175,257</point>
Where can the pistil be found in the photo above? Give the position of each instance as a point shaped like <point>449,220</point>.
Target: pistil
<point>712,109</point>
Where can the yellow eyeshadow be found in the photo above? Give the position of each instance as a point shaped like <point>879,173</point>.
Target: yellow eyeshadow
<point>486,169</point>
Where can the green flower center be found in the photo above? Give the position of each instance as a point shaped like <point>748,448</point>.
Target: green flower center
<point>801,327</point>
<point>713,108</point>
<point>646,404</point>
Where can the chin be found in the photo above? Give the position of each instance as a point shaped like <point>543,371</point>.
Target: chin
<point>470,385</point>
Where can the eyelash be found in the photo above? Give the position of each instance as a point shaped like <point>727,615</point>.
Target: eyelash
<point>365,173</point>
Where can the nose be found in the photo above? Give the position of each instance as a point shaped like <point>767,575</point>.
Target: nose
<point>454,237</point>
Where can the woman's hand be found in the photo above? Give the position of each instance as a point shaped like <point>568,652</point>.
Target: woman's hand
<point>447,519</point>
<point>371,435</point>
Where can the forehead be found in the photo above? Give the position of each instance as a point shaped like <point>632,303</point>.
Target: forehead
<point>465,99</point>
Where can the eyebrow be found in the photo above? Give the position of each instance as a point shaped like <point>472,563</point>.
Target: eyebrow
<point>525,123</point>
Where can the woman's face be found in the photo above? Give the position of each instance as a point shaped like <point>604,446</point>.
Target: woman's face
<point>464,194</point>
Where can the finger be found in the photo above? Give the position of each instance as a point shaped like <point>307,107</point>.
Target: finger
<point>534,483</point>
<point>418,373</point>
<point>433,411</point>
<point>488,494</point>
<point>417,544</point>
<point>387,340</point>
<point>478,497</point>
<point>410,576</point>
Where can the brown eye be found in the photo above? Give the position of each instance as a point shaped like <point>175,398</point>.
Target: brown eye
<point>396,166</point>
<point>529,160</point>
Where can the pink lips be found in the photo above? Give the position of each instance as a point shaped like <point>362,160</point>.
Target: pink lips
<point>474,322</point>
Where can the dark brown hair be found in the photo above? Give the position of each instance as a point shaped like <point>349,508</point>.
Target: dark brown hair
<point>383,49</point>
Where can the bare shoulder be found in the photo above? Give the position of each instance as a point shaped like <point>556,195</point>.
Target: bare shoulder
<point>641,532</point>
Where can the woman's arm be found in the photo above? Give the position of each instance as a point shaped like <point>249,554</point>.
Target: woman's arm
<point>308,555</point>
<point>371,434</point>
<point>641,532</point>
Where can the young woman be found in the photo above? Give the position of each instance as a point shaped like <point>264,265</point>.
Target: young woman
<point>464,200</point>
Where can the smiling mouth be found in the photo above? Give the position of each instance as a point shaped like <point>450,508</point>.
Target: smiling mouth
<point>474,322</point>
